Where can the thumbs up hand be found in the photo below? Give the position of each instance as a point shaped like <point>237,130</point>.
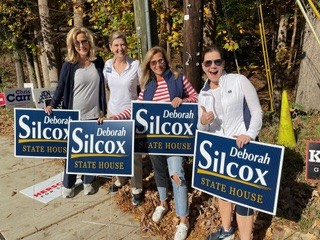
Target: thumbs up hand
<point>206,117</point>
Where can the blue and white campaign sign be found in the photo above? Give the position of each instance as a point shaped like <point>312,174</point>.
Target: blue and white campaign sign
<point>101,149</point>
<point>162,129</point>
<point>248,176</point>
<point>313,160</point>
<point>19,97</point>
<point>39,135</point>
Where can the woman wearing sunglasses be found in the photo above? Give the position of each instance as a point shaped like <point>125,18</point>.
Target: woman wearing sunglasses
<point>160,83</point>
<point>80,87</point>
<point>229,106</point>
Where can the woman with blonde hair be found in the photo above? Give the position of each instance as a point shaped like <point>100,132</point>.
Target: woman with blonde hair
<point>80,87</point>
<point>160,83</point>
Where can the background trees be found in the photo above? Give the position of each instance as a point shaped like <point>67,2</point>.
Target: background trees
<point>32,36</point>
<point>308,84</point>
<point>293,53</point>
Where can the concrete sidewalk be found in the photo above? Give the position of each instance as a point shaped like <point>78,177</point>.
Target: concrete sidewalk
<point>82,217</point>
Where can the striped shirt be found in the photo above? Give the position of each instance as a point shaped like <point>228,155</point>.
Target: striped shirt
<point>162,95</point>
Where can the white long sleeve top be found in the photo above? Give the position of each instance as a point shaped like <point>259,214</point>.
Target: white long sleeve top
<point>227,103</point>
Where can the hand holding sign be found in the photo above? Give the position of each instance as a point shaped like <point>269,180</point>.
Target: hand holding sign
<point>176,102</point>
<point>206,117</point>
<point>242,140</point>
<point>48,109</point>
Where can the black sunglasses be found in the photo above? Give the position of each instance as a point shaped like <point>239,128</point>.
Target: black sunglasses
<point>217,62</point>
<point>83,43</point>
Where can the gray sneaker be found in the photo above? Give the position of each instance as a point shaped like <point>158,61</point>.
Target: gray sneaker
<point>181,232</point>
<point>88,189</point>
<point>158,213</point>
<point>222,234</point>
<point>68,192</point>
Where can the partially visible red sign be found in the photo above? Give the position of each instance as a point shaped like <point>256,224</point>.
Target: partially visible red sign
<point>2,99</point>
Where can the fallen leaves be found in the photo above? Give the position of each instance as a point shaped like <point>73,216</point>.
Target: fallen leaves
<point>6,119</point>
<point>204,217</point>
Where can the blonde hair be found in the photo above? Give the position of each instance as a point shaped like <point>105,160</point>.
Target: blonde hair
<point>73,55</point>
<point>146,72</point>
<point>116,35</point>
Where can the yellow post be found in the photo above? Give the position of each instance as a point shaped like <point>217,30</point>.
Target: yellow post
<point>286,135</point>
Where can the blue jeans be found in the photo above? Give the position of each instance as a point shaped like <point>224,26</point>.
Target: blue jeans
<point>162,165</point>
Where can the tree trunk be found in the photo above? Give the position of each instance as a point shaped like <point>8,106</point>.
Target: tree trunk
<point>19,69</point>
<point>37,70</point>
<point>46,30</point>
<point>30,67</point>
<point>36,61</point>
<point>308,86</point>
<point>209,23</point>
<point>293,51</point>
<point>281,54</point>
<point>44,67</point>
<point>193,37</point>
<point>168,28</point>
<point>141,27</point>
<point>78,6</point>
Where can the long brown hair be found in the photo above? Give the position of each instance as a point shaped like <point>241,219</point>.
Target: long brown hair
<point>146,72</point>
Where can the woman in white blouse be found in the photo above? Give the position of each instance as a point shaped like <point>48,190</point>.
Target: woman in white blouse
<point>122,79</point>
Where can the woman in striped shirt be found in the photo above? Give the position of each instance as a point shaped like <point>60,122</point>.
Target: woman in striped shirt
<point>160,83</point>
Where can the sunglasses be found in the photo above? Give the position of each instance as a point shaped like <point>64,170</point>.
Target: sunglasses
<point>84,43</point>
<point>217,62</point>
<point>155,62</point>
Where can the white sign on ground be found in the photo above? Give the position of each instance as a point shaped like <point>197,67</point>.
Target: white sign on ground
<point>47,190</point>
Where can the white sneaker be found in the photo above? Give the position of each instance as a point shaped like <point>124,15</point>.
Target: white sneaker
<point>88,189</point>
<point>158,213</point>
<point>68,192</point>
<point>181,232</point>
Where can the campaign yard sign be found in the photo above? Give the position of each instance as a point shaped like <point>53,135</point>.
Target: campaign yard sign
<point>19,97</point>
<point>39,135</point>
<point>101,149</point>
<point>313,160</point>
<point>248,176</point>
<point>162,129</point>
<point>29,85</point>
<point>42,96</point>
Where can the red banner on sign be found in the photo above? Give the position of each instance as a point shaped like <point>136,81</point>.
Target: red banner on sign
<point>2,99</point>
